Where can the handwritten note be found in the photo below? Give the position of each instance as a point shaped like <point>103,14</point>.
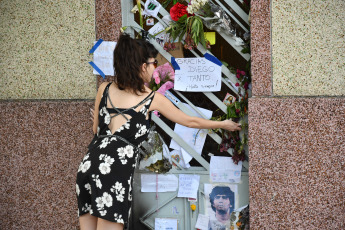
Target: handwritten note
<point>166,183</point>
<point>223,169</point>
<point>197,75</point>
<point>103,57</point>
<point>188,185</point>
<point>202,222</point>
<point>165,224</point>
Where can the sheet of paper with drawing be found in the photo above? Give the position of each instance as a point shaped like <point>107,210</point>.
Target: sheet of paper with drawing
<point>188,185</point>
<point>103,58</point>
<point>223,169</point>
<point>160,38</point>
<point>195,138</point>
<point>166,183</point>
<point>197,75</point>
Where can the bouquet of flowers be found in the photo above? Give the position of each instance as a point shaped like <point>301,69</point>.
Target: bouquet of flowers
<point>187,24</point>
<point>162,78</point>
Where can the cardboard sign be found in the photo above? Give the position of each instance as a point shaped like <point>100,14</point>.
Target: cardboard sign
<point>197,75</point>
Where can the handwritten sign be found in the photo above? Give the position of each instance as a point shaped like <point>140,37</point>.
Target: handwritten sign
<point>165,224</point>
<point>166,183</point>
<point>197,75</point>
<point>223,169</point>
<point>103,57</point>
<point>188,185</point>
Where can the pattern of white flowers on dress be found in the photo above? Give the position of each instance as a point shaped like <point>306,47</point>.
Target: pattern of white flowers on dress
<point>104,167</point>
<point>118,218</point>
<point>77,190</point>
<point>104,201</point>
<point>130,189</point>
<point>96,179</point>
<point>88,187</point>
<point>124,126</point>
<point>104,111</point>
<point>84,166</point>
<point>144,109</point>
<point>118,190</point>
<point>106,141</point>
<point>125,151</point>
<point>142,130</point>
<point>86,208</point>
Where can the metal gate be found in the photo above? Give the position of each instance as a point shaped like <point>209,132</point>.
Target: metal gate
<point>148,206</point>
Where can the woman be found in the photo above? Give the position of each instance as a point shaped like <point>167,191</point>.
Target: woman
<point>121,124</point>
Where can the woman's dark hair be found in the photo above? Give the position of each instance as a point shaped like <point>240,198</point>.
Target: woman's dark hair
<point>222,190</point>
<point>129,55</point>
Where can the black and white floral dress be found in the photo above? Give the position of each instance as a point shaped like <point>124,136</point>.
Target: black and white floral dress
<point>104,179</point>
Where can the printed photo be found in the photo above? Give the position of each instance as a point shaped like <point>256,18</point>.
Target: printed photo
<point>220,203</point>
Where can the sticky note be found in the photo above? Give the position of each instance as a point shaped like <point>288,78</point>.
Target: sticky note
<point>211,37</point>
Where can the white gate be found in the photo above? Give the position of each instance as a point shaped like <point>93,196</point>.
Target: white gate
<point>148,206</point>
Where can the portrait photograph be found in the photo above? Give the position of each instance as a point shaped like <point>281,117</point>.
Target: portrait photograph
<point>220,202</point>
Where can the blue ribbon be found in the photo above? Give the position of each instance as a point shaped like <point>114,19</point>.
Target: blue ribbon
<point>95,46</point>
<point>97,69</point>
<point>212,59</point>
<point>174,64</point>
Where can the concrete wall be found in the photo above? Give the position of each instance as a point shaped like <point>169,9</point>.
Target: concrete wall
<point>297,115</point>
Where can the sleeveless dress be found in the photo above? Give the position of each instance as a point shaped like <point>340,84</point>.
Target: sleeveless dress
<point>104,178</point>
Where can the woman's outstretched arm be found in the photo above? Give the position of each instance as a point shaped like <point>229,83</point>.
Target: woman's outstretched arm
<point>168,109</point>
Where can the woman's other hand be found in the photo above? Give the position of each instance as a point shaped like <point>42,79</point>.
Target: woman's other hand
<point>230,125</point>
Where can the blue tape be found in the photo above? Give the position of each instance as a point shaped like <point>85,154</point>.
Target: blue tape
<point>174,64</point>
<point>212,59</point>
<point>95,46</point>
<point>97,69</point>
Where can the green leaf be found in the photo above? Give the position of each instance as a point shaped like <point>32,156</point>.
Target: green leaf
<point>245,50</point>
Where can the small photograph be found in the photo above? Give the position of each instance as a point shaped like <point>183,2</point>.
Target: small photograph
<point>220,203</point>
<point>229,99</point>
<point>150,22</point>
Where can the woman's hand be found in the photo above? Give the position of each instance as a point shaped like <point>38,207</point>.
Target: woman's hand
<point>230,125</point>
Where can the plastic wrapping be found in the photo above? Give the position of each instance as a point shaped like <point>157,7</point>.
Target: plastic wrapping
<point>220,22</point>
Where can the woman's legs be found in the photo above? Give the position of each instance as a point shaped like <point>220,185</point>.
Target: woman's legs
<point>88,222</point>
<point>107,225</point>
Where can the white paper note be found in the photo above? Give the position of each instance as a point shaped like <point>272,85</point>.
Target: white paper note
<point>188,185</point>
<point>166,183</point>
<point>223,169</point>
<point>195,138</point>
<point>197,75</point>
<point>202,222</point>
<point>165,224</point>
<point>103,57</point>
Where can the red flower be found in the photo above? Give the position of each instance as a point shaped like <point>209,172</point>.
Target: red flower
<point>237,84</point>
<point>243,73</point>
<point>238,76</point>
<point>246,85</point>
<point>177,11</point>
